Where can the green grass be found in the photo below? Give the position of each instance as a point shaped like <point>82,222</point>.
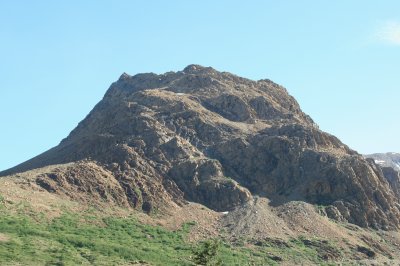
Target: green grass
<point>91,238</point>
<point>81,239</point>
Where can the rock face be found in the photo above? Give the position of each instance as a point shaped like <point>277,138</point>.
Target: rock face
<point>218,139</point>
<point>393,178</point>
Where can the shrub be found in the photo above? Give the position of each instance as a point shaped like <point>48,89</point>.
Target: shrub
<point>207,252</point>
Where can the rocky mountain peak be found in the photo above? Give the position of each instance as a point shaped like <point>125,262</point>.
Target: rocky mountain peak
<point>124,76</point>
<point>218,139</point>
<point>197,69</point>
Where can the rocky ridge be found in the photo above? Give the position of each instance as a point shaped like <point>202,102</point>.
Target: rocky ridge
<point>217,139</point>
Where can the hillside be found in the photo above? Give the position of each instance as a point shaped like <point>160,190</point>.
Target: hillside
<point>160,143</point>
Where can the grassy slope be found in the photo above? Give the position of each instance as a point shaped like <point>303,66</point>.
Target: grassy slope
<point>93,238</point>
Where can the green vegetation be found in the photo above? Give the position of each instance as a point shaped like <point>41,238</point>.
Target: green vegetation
<point>207,253</point>
<point>1,200</point>
<point>138,193</point>
<point>84,239</point>
<point>316,250</point>
<point>92,238</point>
<point>300,250</point>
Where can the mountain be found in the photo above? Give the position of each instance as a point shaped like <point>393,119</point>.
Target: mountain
<point>390,165</point>
<point>389,159</point>
<point>224,156</point>
<point>217,139</point>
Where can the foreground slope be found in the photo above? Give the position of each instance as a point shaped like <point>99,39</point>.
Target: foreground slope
<point>217,139</point>
<point>81,223</point>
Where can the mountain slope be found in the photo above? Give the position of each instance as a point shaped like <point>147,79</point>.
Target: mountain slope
<point>389,159</point>
<point>390,165</point>
<point>218,139</point>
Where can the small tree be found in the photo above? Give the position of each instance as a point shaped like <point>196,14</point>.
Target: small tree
<point>206,253</point>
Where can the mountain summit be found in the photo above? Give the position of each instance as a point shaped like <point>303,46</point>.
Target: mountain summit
<point>217,139</point>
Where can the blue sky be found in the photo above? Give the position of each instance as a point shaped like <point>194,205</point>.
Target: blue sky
<point>340,59</point>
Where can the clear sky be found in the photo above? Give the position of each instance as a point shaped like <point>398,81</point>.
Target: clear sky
<point>340,59</point>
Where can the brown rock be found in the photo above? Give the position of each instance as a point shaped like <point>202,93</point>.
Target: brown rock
<point>217,139</point>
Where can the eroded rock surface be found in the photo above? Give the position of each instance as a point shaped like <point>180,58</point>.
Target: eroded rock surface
<point>218,139</point>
